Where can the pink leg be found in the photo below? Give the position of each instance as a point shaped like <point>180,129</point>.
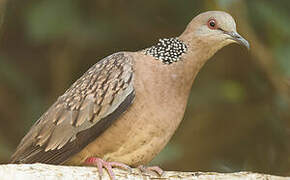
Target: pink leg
<point>107,165</point>
<point>155,169</point>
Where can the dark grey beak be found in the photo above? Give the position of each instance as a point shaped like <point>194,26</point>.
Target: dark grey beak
<point>239,39</point>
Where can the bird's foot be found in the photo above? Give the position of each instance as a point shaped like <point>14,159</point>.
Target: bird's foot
<point>149,169</point>
<point>100,163</point>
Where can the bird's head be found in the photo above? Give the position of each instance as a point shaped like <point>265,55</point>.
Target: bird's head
<point>214,30</point>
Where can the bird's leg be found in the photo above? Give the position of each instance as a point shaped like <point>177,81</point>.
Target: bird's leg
<point>100,163</point>
<point>149,169</point>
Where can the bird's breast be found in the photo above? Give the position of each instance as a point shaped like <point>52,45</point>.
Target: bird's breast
<point>140,133</point>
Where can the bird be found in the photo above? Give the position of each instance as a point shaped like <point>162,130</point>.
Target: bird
<point>125,108</point>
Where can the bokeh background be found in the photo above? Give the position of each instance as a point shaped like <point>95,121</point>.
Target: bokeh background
<point>238,114</point>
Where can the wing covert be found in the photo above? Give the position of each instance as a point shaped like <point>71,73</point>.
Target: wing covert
<point>81,114</point>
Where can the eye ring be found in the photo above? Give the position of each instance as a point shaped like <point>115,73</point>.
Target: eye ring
<point>212,24</point>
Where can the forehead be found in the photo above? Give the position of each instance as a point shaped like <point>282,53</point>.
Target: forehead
<point>223,19</point>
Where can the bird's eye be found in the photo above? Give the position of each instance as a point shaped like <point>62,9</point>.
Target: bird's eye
<point>212,24</point>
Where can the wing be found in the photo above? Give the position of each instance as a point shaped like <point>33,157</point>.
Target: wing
<point>81,114</point>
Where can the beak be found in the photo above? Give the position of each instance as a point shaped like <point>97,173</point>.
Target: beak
<point>239,39</point>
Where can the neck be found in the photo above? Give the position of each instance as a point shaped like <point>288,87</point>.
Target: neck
<point>183,57</point>
<point>167,50</point>
<point>198,52</point>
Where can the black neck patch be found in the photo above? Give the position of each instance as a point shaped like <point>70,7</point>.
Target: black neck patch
<point>168,50</point>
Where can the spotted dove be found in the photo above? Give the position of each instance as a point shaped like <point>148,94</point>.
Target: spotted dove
<point>127,106</point>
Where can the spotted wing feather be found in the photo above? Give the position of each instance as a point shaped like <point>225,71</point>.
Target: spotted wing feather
<point>81,114</point>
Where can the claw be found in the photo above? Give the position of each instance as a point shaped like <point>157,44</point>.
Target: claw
<point>100,163</point>
<point>155,169</point>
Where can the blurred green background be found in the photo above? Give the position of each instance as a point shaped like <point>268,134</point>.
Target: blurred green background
<point>238,114</point>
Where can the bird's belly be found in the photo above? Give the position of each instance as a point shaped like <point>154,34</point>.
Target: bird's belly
<point>135,138</point>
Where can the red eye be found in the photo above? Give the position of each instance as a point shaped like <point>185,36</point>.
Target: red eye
<point>212,24</point>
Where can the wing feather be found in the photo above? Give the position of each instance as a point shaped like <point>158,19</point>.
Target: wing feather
<point>81,114</point>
